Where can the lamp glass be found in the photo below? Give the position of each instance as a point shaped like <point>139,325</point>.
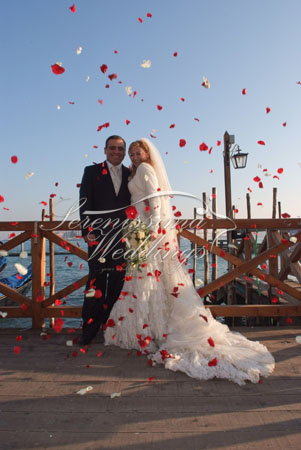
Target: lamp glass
<point>239,160</point>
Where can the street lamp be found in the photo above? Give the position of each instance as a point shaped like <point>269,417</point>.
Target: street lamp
<point>239,161</point>
<point>238,158</point>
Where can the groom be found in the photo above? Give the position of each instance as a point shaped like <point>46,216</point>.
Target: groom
<point>104,187</point>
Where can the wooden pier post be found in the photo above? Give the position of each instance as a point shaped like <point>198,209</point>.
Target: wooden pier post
<point>214,269</point>
<point>248,256</point>
<point>195,249</point>
<point>206,263</point>
<point>51,259</point>
<point>274,203</point>
<point>38,276</point>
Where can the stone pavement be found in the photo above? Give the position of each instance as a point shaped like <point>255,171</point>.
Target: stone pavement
<point>40,409</point>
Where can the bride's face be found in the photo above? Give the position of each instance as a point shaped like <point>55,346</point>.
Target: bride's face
<point>138,156</point>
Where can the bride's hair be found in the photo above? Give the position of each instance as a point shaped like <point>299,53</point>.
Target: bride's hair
<point>145,147</point>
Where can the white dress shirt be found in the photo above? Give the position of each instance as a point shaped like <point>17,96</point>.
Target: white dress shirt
<point>116,175</point>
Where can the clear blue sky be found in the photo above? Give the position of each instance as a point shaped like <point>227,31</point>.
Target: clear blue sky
<point>236,44</point>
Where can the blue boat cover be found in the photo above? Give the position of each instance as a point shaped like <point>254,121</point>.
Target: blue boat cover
<point>17,280</point>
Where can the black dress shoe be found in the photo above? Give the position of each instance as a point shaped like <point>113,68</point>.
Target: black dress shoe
<point>84,341</point>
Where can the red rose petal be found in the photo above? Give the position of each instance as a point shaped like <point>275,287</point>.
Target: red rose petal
<point>72,8</point>
<point>140,20</point>
<point>213,362</point>
<point>182,143</point>
<point>14,159</point>
<point>172,125</point>
<point>244,91</point>
<point>1,199</point>
<point>261,142</point>
<point>175,54</point>
<point>280,170</point>
<point>203,147</point>
<point>284,124</point>
<point>127,122</point>
<point>159,107</point>
<point>256,179</point>
<point>268,110</point>
<point>17,349</point>
<point>211,342</point>
<point>149,15</point>
<point>104,68</point>
<point>57,70</point>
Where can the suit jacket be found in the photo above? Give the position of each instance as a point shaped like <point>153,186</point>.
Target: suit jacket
<point>97,194</point>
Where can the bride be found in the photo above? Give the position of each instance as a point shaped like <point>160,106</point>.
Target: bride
<point>160,312</point>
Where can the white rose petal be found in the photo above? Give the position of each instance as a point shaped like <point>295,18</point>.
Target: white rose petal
<point>79,50</point>
<point>29,175</point>
<point>3,253</point>
<point>90,293</point>
<point>23,255</point>
<point>102,260</point>
<point>86,155</point>
<point>259,166</point>
<point>85,390</point>
<point>129,90</point>
<point>3,314</point>
<point>115,394</point>
<point>87,78</point>
<point>58,107</point>
<point>199,282</point>
<point>21,269</point>
<point>69,343</point>
<point>232,246</point>
<point>293,239</point>
<point>298,339</point>
<point>206,83</point>
<point>146,64</point>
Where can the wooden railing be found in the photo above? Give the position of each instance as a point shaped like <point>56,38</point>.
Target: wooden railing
<point>39,306</point>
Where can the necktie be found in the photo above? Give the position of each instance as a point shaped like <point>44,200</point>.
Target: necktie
<point>116,178</point>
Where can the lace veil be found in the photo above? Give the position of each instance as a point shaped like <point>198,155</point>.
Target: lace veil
<point>166,192</point>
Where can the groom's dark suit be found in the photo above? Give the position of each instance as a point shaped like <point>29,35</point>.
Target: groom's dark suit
<point>98,190</point>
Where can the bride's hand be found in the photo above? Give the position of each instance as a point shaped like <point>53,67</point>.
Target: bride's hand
<point>153,235</point>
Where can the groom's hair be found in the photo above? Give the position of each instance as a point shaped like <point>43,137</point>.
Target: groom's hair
<point>115,137</point>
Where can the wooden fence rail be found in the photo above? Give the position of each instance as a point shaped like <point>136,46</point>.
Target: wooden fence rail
<point>39,306</point>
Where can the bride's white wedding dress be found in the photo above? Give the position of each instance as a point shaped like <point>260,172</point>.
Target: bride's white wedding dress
<point>161,314</point>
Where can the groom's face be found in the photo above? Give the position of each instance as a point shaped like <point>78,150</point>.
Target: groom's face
<point>115,151</point>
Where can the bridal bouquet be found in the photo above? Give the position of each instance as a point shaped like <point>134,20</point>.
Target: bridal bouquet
<point>137,240</point>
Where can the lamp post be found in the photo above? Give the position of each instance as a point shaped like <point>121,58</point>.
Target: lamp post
<point>239,161</point>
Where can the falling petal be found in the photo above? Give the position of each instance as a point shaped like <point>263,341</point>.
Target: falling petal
<point>29,175</point>
<point>182,143</point>
<point>261,142</point>
<point>57,69</point>
<point>14,159</point>
<point>128,90</point>
<point>23,255</point>
<point>87,78</point>
<point>72,8</point>
<point>206,83</point>
<point>244,91</point>
<point>298,339</point>
<point>267,110</point>
<point>79,50</point>
<point>146,64</point>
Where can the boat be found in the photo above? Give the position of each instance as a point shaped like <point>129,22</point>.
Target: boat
<point>3,262</point>
<point>20,283</point>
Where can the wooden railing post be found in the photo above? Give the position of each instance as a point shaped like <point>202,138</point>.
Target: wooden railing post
<point>214,270</point>
<point>38,276</point>
<point>195,249</point>
<point>206,264</point>
<point>51,259</point>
